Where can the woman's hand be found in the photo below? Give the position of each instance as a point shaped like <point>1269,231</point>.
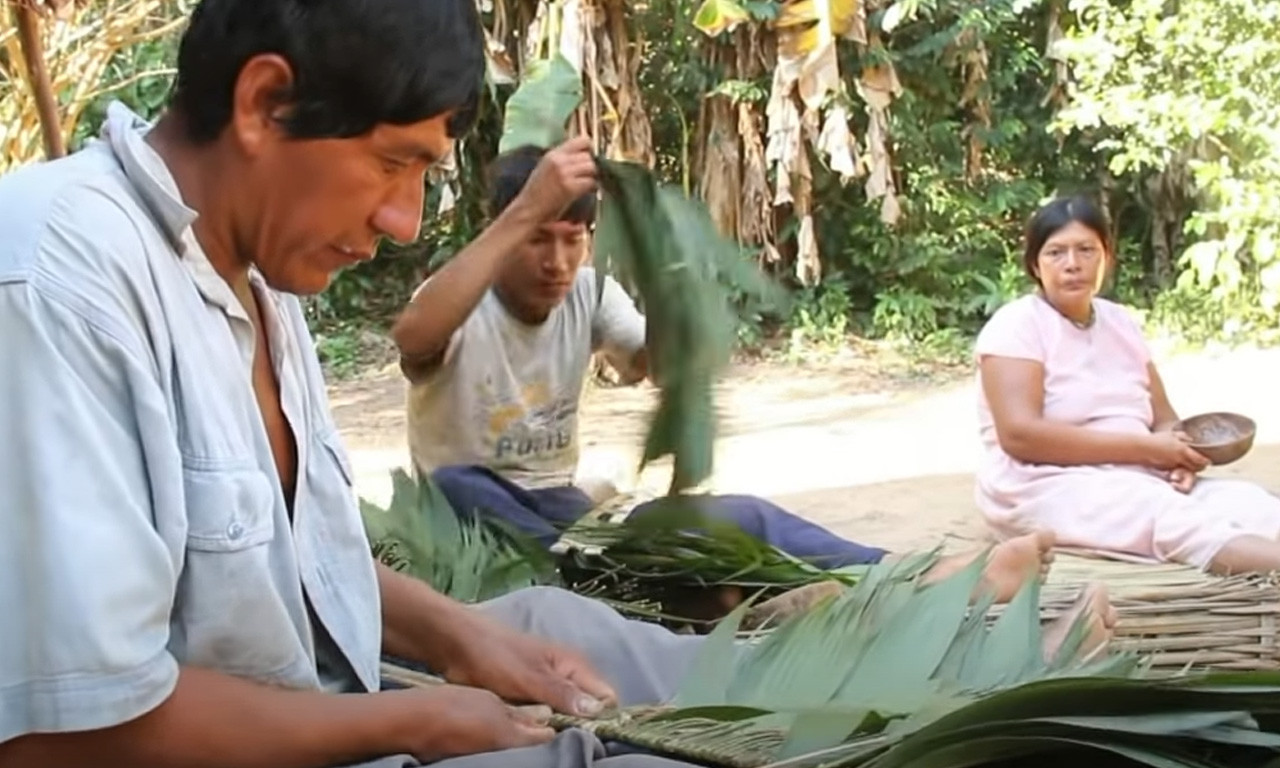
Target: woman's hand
<point>1182,480</point>
<point>1172,450</point>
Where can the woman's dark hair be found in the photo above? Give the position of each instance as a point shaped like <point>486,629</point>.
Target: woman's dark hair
<point>1056,215</point>
<point>356,63</point>
<point>510,172</point>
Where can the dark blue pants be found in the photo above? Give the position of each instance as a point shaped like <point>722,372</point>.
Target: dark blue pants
<point>544,513</point>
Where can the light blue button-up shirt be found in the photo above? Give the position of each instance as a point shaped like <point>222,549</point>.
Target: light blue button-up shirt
<point>142,521</point>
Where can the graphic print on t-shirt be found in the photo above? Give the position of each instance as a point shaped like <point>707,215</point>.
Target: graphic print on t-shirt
<point>537,427</point>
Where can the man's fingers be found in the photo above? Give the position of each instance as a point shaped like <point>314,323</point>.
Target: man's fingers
<point>532,735</point>
<point>590,683</point>
<point>582,674</point>
<point>566,697</point>
<point>537,715</point>
<point>577,143</point>
<point>524,735</point>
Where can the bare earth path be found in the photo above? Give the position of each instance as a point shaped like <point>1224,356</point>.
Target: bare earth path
<point>872,454</point>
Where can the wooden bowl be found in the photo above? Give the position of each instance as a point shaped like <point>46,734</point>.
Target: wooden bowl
<point>1221,437</point>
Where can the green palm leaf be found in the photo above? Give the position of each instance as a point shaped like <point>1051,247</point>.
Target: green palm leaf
<point>896,675</point>
<point>420,534</point>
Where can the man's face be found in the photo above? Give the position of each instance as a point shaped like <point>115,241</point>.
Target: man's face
<point>540,274</point>
<point>306,208</point>
<point>324,204</point>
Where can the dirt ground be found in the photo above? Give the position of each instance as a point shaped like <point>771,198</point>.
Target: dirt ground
<point>862,444</point>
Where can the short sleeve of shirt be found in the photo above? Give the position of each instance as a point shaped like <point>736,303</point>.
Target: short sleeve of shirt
<point>86,581</point>
<point>617,327</point>
<point>1127,328</point>
<point>1013,331</point>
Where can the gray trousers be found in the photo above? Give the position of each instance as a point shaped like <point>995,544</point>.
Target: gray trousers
<point>644,662</point>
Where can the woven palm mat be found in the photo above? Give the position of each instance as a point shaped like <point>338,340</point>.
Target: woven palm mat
<point>1177,615</point>
<point>688,738</point>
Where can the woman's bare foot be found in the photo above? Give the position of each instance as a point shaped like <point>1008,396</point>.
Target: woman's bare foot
<point>1099,615</point>
<point>1009,565</point>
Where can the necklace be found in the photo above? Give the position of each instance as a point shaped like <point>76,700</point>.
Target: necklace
<point>1083,326</point>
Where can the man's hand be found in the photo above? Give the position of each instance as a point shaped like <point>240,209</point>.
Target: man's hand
<point>523,668</point>
<point>1183,480</point>
<point>451,721</point>
<point>563,175</point>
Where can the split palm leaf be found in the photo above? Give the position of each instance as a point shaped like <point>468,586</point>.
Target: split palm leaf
<point>674,538</point>
<point>896,675</point>
<point>419,533</point>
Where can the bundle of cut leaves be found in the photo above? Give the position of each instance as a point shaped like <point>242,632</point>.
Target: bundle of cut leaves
<point>659,567</point>
<point>420,534</point>
<point>664,245</point>
<point>895,675</point>
<point>672,558</point>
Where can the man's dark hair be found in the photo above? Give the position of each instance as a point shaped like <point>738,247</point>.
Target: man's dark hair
<point>356,63</point>
<point>1054,216</point>
<point>510,172</point>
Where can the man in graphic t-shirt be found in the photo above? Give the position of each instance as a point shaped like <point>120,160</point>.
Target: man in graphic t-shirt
<point>497,346</point>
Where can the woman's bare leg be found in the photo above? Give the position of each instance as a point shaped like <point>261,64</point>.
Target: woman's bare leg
<point>1246,554</point>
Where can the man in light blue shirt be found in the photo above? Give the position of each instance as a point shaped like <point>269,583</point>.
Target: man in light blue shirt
<point>184,577</point>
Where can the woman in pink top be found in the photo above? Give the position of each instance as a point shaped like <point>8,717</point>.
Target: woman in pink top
<point>1078,433</point>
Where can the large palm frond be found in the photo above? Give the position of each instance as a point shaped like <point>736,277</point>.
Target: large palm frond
<point>893,675</point>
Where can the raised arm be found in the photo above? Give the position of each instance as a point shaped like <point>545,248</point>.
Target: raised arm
<point>443,303</point>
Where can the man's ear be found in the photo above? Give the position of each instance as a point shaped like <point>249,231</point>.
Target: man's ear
<point>258,102</point>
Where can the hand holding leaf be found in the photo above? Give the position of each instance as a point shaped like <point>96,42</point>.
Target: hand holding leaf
<point>564,174</point>
<point>665,245</point>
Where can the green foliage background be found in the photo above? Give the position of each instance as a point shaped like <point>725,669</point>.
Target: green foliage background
<point>1172,114</point>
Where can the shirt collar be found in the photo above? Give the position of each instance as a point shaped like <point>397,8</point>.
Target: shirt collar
<point>125,133</point>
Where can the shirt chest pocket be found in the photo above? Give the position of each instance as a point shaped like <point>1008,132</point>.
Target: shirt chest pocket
<point>228,510</point>
<point>231,613</point>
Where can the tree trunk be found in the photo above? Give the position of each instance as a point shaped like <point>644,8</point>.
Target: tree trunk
<point>28,24</point>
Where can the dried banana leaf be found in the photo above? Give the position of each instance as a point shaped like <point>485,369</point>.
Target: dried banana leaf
<point>665,246</point>
<point>536,116</point>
